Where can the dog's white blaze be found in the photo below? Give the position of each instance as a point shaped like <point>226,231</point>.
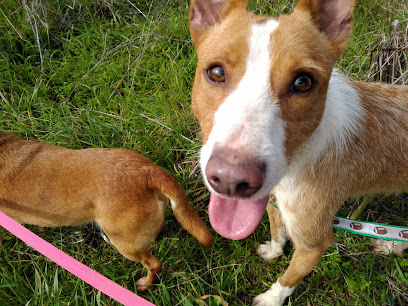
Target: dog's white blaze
<point>249,119</point>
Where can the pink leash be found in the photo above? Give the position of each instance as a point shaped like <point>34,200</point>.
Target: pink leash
<point>88,275</point>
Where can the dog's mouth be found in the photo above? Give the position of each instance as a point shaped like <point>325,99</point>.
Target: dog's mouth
<point>235,218</point>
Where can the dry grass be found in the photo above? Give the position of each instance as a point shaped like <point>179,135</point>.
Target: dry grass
<point>380,40</point>
<point>388,59</point>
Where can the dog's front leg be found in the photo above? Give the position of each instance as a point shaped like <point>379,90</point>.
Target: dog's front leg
<point>304,260</point>
<point>274,248</point>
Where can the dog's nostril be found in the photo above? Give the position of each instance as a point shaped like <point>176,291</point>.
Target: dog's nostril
<point>242,188</point>
<point>214,181</point>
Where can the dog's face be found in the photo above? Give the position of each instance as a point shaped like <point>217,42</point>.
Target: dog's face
<point>259,94</point>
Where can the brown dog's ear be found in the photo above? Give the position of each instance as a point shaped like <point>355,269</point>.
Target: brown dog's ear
<point>333,18</point>
<point>205,14</point>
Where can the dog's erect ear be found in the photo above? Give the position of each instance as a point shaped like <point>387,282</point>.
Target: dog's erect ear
<point>333,18</point>
<point>205,14</point>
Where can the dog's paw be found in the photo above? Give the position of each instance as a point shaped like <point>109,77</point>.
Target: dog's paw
<point>143,284</point>
<point>269,250</point>
<point>387,246</point>
<point>275,296</point>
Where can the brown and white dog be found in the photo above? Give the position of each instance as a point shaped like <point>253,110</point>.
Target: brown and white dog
<point>123,191</point>
<point>276,118</point>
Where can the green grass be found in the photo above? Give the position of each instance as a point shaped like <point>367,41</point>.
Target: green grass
<point>102,73</point>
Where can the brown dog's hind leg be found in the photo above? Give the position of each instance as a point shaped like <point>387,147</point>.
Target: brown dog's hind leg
<point>137,249</point>
<point>132,223</point>
<point>152,265</point>
<point>274,248</point>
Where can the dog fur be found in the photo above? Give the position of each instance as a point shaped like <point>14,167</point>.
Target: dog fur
<point>311,147</point>
<point>123,191</point>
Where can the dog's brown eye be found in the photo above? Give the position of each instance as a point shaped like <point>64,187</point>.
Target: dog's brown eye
<point>216,74</point>
<point>302,83</point>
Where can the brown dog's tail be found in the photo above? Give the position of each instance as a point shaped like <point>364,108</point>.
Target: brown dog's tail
<point>184,213</point>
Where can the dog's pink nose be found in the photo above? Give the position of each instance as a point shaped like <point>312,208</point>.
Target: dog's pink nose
<point>235,174</point>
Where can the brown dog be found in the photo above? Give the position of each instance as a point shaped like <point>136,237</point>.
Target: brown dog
<point>123,191</point>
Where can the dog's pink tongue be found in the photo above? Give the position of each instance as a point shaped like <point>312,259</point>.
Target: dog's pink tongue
<point>235,219</point>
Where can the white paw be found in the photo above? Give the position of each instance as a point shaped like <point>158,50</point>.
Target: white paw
<point>143,284</point>
<point>275,296</point>
<point>270,250</point>
<point>388,246</point>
